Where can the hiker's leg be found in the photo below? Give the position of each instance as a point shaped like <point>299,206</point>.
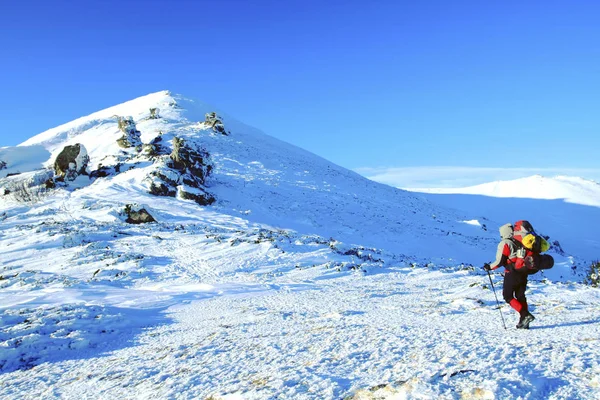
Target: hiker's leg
<point>520,288</point>
<point>508,290</point>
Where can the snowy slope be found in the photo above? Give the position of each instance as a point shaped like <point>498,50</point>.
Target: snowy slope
<point>22,159</point>
<point>302,281</point>
<point>267,181</point>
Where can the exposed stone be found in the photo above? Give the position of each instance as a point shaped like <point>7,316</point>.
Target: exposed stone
<point>131,136</point>
<point>2,165</point>
<point>128,140</point>
<point>155,148</point>
<point>50,184</point>
<point>160,189</point>
<point>149,150</point>
<point>71,162</point>
<point>181,173</point>
<point>103,171</point>
<point>154,113</point>
<point>188,160</point>
<point>137,214</point>
<point>126,124</point>
<point>157,139</point>
<point>172,181</point>
<point>215,122</point>
<point>199,196</point>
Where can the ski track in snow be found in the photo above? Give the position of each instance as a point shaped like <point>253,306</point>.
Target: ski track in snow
<point>303,281</point>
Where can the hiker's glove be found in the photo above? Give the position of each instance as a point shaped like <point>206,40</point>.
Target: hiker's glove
<point>487,267</point>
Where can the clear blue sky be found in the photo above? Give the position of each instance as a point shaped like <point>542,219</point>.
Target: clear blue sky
<point>363,84</point>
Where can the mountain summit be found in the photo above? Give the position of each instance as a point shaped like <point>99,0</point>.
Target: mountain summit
<point>241,172</point>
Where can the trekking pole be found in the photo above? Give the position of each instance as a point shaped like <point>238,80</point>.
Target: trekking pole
<point>497,302</point>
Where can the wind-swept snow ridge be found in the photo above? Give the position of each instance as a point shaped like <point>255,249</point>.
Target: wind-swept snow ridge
<point>572,189</point>
<point>15,160</point>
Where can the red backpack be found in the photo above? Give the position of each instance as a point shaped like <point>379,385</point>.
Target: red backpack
<point>530,245</point>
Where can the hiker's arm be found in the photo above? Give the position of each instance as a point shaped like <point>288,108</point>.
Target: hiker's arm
<point>501,256</point>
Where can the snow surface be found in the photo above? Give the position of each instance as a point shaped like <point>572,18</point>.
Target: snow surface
<point>303,281</point>
<point>22,159</point>
<point>571,189</point>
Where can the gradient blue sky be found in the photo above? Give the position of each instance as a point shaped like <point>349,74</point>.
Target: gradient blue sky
<point>382,85</point>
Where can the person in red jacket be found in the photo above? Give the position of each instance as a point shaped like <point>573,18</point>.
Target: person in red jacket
<point>515,281</point>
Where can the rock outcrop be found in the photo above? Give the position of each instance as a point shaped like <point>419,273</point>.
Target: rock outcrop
<point>215,122</point>
<point>182,173</point>
<point>71,162</point>
<point>137,214</point>
<point>103,171</point>
<point>199,195</point>
<point>131,136</point>
<point>155,148</point>
<point>190,161</point>
<point>154,113</point>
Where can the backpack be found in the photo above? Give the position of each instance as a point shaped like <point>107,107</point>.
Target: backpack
<point>526,236</point>
<point>529,246</point>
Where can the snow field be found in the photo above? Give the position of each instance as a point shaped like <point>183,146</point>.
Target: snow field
<point>312,336</point>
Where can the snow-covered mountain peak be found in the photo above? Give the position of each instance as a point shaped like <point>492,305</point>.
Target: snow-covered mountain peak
<point>249,175</point>
<point>137,108</point>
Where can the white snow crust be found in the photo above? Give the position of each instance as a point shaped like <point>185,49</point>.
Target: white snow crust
<point>571,189</point>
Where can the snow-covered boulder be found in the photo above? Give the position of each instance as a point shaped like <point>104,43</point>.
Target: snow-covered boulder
<point>71,162</point>
<point>137,214</point>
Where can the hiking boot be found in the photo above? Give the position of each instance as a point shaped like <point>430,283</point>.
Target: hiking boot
<point>520,324</point>
<point>525,321</point>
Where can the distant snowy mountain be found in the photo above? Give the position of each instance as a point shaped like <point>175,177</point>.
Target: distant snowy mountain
<point>571,189</point>
<point>158,249</point>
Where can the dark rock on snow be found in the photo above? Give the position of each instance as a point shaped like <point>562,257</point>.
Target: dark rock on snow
<point>137,214</point>
<point>71,162</point>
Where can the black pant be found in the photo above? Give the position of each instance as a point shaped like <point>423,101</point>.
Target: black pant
<point>515,284</point>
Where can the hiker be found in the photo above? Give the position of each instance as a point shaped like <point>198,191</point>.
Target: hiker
<point>509,253</point>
